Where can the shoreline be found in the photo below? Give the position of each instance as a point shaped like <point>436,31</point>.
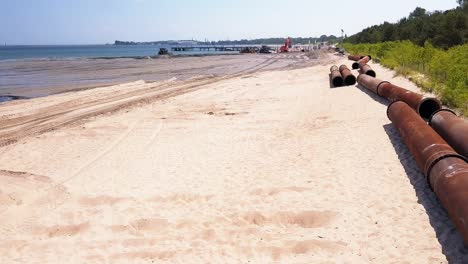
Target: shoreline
<point>122,57</point>
<point>38,78</point>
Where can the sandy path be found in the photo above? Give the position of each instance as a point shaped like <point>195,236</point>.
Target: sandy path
<point>265,167</point>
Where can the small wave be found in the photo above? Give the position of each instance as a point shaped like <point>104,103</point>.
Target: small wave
<point>43,59</point>
<point>124,57</point>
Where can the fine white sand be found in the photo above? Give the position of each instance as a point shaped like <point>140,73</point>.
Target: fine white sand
<point>264,167</point>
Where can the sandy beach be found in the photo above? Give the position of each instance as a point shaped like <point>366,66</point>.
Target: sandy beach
<point>260,163</point>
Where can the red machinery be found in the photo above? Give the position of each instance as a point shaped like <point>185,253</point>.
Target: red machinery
<point>287,45</point>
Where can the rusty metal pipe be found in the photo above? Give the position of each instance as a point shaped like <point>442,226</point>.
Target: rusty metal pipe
<point>425,106</point>
<point>335,76</point>
<point>362,61</point>
<point>451,128</point>
<point>355,57</point>
<point>449,181</point>
<point>358,57</point>
<point>366,69</point>
<point>446,171</point>
<point>348,77</point>
<point>370,82</point>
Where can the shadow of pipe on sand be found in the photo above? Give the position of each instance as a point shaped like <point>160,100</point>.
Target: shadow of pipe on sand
<point>372,95</point>
<point>447,235</point>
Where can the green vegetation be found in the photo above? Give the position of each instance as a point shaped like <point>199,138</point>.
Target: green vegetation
<point>441,29</point>
<point>278,41</point>
<point>431,49</point>
<point>443,72</point>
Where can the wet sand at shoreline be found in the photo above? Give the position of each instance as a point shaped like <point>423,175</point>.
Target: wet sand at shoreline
<point>34,78</point>
<point>259,166</point>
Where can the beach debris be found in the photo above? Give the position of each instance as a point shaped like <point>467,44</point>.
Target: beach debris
<point>366,69</point>
<point>424,106</point>
<point>358,57</point>
<point>346,74</point>
<point>335,76</point>
<point>362,61</point>
<point>452,129</point>
<point>446,171</point>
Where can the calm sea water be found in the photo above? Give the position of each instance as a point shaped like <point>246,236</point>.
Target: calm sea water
<point>83,51</point>
<point>32,71</point>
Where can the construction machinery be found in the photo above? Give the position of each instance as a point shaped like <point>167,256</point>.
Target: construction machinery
<point>163,51</point>
<point>265,49</point>
<point>287,45</point>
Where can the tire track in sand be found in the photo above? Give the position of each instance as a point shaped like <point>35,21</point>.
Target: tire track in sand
<point>45,121</point>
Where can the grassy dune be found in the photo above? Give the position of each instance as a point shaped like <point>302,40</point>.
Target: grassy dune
<point>443,72</point>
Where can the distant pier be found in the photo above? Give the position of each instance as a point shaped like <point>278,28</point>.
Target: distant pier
<point>214,48</point>
<point>240,48</point>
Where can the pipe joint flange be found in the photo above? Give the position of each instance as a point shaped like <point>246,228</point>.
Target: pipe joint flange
<point>431,166</point>
<point>441,110</point>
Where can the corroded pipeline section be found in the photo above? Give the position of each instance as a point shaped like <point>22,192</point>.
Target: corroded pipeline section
<point>348,77</point>
<point>366,69</point>
<point>358,57</point>
<point>370,82</point>
<point>446,171</point>
<point>424,106</point>
<point>355,57</point>
<point>362,61</point>
<point>335,76</point>
<point>451,128</point>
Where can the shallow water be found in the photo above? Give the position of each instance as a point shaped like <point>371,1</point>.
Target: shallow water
<point>85,51</point>
<point>35,78</point>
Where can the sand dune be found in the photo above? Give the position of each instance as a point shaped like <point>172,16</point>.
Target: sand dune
<point>260,167</point>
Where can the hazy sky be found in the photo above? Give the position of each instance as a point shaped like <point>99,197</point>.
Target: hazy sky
<point>103,21</point>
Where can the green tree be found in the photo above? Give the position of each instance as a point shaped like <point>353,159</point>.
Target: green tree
<point>442,29</point>
<point>418,12</point>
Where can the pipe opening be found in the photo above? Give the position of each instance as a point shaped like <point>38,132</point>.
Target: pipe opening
<point>371,73</point>
<point>355,66</point>
<point>350,80</point>
<point>337,81</point>
<point>427,107</point>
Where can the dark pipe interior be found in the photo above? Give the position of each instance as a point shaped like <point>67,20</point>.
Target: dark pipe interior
<point>428,107</point>
<point>337,81</point>
<point>371,73</point>
<point>355,66</point>
<point>350,80</point>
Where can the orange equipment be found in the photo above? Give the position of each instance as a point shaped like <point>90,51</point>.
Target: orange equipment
<point>287,45</point>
